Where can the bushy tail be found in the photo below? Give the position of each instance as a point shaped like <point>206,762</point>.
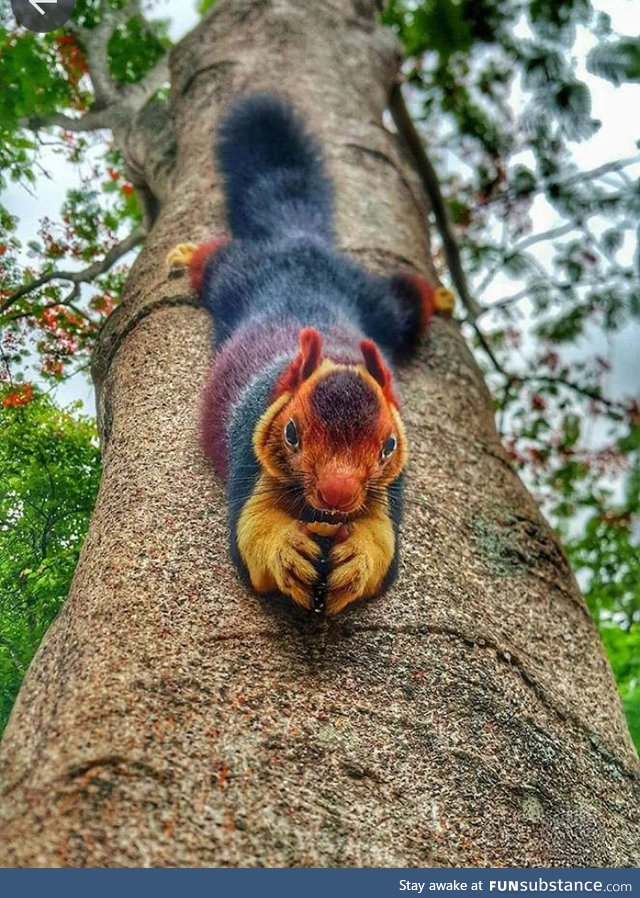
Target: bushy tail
<point>274,175</point>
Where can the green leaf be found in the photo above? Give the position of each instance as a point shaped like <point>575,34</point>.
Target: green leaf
<point>565,328</point>
<point>523,180</point>
<point>571,102</point>
<point>612,240</point>
<point>135,48</point>
<point>571,428</point>
<point>617,61</point>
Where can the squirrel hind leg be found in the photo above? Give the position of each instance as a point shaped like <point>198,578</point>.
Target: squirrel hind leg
<point>195,257</point>
<point>433,298</point>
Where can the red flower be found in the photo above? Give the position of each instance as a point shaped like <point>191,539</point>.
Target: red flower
<point>54,367</point>
<point>18,396</point>
<point>552,359</point>
<point>538,403</point>
<point>535,455</point>
<point>49,319</point>
<point>127,189</point>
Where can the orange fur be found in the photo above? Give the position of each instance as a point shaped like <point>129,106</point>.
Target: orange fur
<point>318,453</point>
<point>360,562</point>
<point>278,550</point>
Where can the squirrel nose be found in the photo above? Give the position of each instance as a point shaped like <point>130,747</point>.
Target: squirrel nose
<point>338,490</point>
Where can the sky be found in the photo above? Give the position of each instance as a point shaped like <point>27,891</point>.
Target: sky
<point>616,138</point>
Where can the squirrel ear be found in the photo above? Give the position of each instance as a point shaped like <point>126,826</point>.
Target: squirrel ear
<point>310,352</point>
<point>376,367</point>
<point>305,363</point>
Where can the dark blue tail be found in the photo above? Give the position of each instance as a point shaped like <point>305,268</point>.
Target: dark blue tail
<point>274,176</point>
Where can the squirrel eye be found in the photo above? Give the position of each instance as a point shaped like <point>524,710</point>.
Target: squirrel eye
<point>291,434</point>
<point>389,447</point>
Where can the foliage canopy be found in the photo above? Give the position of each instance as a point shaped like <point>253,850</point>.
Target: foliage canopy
<point>49,475</point>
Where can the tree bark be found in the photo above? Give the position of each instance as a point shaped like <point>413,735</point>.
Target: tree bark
<point>469,717</point>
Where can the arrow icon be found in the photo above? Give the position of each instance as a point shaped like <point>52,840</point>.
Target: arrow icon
<point>36,5</point>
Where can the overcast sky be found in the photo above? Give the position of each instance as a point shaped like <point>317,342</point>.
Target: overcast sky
<point>615,107</point>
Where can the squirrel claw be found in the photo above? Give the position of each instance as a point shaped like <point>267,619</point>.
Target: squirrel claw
<point>181,255</point>
<point>443,301</point>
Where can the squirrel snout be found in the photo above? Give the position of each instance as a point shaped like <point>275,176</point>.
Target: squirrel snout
<point>339,491</point>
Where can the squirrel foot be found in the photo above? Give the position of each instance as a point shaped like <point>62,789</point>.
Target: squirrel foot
<point>432,297</point>
<point>181,255</point>
<point>443,300</point>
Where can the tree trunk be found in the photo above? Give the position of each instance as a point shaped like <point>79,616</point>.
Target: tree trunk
<point>172,718</point>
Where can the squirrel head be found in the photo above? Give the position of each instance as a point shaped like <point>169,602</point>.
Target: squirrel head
<point>333,431</point>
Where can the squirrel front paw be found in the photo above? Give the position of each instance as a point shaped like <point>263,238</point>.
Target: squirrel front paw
<point>293,564</point>
<point>359,563</point>
<point>282,554</point>
<point>277,551</point>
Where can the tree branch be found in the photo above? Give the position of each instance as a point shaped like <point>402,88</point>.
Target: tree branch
<point>85,275</point>
<point>616,167</point>
<point>119,108</point>
<point>136,95</point>
<point>94,120</point>
<point>431,184</point>
<point>507,301</point>
<point>407,129</point>
<point>69,303</point>
<point>128,101</point>
<point>515,379</point>
<point>588,393</point>
<point>96,41</point>
<point>408,132</point>
<point>551,234</point>
<point>113,104</point>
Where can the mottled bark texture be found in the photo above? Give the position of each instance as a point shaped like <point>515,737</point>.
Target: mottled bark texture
<point>172,718</point>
